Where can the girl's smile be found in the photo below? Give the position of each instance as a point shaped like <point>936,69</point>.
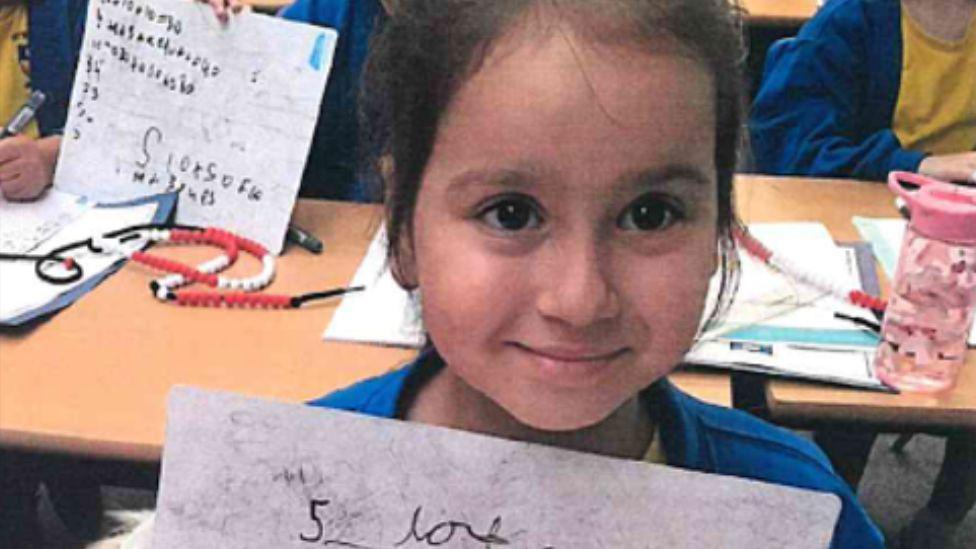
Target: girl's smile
<point>568,365</point>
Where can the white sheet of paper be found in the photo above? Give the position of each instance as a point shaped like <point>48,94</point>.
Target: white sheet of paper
<point>24,225</point>
<point>852,366</point>
<point>885,236</point>
<point>384,313</point>
<point>166,97</point>
<point>769,298</point>
<point>243,473</point>
<point>22,291</point>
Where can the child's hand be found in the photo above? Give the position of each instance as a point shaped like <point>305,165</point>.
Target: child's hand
<point>223,8</point>
<point>950,167</point>
<point>27,165</point>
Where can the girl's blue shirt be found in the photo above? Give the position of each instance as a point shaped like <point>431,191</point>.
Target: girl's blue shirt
<point>695,435</point>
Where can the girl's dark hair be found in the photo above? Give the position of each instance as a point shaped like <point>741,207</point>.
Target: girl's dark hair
<point>429,48</point>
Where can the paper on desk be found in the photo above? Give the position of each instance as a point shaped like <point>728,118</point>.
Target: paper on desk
<point>852,366</point>
<point>785,309</point>
<point>24,297</point>
<point>885,236</point>
<point>793,325</point>
<point>246,473</point>
<point>165,96</point>
<point>24,225</point>
<point>384,313</point>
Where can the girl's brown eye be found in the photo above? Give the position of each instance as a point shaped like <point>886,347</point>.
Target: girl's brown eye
<point>649,213</point>
<point>511,214</point>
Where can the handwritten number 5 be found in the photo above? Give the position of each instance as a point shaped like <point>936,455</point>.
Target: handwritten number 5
<point>313,508</point>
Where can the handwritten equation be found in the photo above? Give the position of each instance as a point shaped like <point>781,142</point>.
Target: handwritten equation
<point>243,473</point>
<point>434,534</point>
<point>166,99</point>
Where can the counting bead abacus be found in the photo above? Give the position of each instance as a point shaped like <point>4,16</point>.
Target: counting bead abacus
<point>785,265</point>
<point>205,273</point>
<point>234,292</point>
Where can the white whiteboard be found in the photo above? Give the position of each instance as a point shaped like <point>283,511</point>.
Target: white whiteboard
<point>167,97</point>
<point>244,473</point>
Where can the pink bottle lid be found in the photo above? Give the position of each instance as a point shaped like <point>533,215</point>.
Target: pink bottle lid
<point>940,210</point>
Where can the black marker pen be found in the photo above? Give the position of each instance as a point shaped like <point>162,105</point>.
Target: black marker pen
<point>23,116</point>
<point>304,239</point>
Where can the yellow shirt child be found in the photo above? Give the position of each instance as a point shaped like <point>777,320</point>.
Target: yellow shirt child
<point>14,64</point>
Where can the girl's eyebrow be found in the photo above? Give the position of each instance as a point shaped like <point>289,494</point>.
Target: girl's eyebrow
<point>524,177</point>
<point>661,175</point>
<point>527,177</point>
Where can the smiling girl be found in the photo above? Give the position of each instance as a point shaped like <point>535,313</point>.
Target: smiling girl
<point>558,178</point>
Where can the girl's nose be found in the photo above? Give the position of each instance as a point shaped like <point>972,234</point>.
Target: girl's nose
<point>576,288</point>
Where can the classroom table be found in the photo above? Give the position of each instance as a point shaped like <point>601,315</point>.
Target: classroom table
<point>850,416</point>
<point>833,202</point>
<point>92,382</point>
<point>778,12</point>
<point>786,12</point>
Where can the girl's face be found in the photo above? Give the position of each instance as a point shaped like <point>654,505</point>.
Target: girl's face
<point>565,230</point>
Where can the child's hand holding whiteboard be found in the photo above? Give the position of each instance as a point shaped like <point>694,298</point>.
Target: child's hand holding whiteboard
<point>167,97</point>
<point>244,473</point>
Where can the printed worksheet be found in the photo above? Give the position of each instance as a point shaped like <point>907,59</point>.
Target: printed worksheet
<point>25,297</point>
<point>25,225</point>
<point>383,313</point>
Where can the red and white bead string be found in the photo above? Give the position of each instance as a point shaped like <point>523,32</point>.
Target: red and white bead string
<point>787,266</point>
<point>207,272</point>
<point>58,267</point>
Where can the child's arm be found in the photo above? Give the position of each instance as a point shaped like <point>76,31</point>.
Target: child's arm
<point>27,165</point>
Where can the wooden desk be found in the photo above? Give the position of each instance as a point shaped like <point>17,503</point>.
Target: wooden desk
<point>791,13</point>
<point>93,380</point>
<point>833,202</point>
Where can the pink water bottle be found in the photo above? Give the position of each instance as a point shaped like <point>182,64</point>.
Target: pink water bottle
<point>933,296</point>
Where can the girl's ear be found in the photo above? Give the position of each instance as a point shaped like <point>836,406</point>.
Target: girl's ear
<point>402,262</point>
<point>401,254</point>
<point>719,256</point>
